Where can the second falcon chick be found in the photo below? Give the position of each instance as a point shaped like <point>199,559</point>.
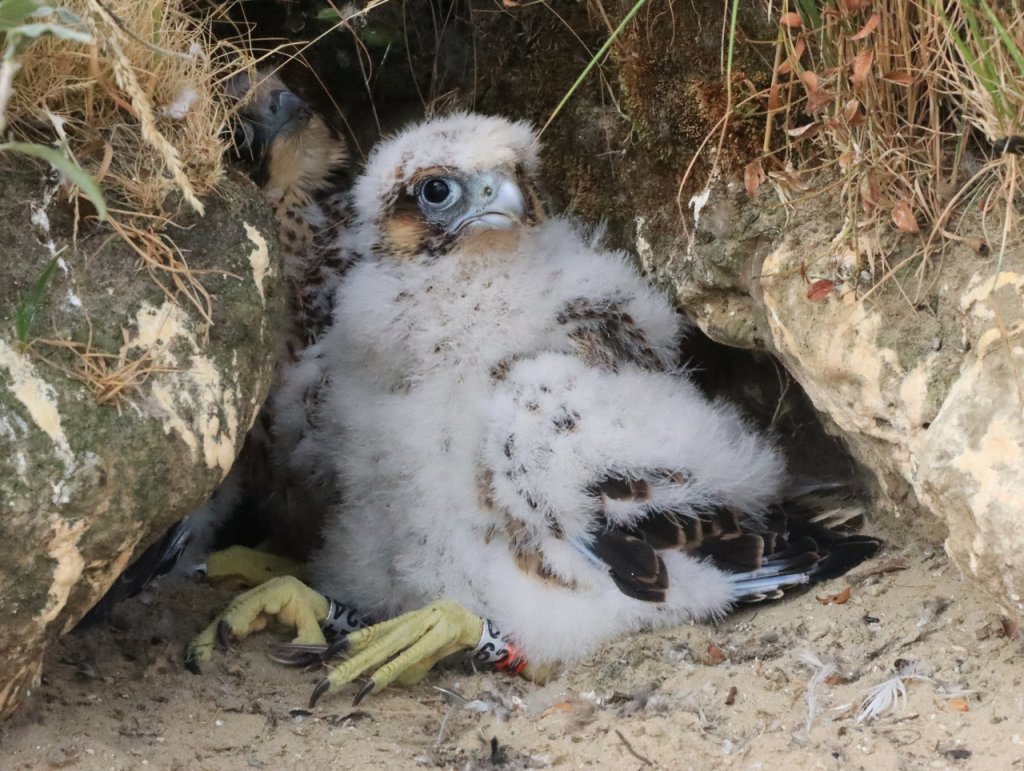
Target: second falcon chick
<point>512,439</point>
<point>272,491</point>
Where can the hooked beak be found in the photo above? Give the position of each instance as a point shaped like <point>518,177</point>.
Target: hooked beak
<point>498,204</point>
<point>289,106</point>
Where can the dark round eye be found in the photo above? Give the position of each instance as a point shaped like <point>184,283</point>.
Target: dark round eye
<point>436,191</point>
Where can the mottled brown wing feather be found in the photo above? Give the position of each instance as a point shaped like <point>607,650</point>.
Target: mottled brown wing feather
<point>794,537</point>
<point>606,335</point>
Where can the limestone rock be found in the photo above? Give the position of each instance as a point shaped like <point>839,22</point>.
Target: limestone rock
<point>924,381</point>
<point>82,484</point>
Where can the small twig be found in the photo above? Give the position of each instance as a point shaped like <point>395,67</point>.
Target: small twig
<point>629,748</point>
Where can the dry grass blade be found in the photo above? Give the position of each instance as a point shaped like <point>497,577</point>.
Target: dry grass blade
<point>126,77</point>
<point>142,101</point>
<point>906,97</point>
<point>109,376</point>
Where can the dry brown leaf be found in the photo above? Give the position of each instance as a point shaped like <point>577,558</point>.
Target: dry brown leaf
<point>804,131</point>
<point>902,77</point>
<point>1011,628</point>
<point>716,654</point>
<point>958,705</point>
<point>836,680</point>
<point>891,566</point>
<point>853,113</point>
<point>786,180</point>
<point>852,6</point>
<point>818,101</point>
<point>753,176</point>
<point>790,64</point>
<point>870,192</point>
<point>904,218</point>
<point>817,292</point>
<point>791,20</point>
<point>108,157</point>
<point>867,29</point>
<point>810,81</point>
<point>774,100</point>
<point>842,597</point>
<point>862,66</point>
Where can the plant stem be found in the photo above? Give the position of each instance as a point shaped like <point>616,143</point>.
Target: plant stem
<point>593,62</point>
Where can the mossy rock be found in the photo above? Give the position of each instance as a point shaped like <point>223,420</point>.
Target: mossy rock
<point>84,484</point>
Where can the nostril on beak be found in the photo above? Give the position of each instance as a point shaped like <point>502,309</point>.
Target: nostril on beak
<point>286,103</point>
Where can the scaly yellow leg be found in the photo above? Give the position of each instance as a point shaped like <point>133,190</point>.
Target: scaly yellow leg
<point>404,649</point>
<point>285,597</point>
<point>241,566</point>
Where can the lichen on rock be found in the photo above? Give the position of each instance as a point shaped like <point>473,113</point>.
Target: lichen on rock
<point>82,485</point>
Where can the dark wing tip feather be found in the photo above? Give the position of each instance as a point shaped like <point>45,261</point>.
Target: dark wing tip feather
<point>734,552</point>
<point>805,562</point>
<point>661,531</point>
<point>634,565</point>
<point>806,538</point>
<point>620,488</point>
<point>844,555</point>
<point>154,562</point>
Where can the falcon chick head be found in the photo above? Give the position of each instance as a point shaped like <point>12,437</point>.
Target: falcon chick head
<point>437,186</point>
<point>292,147</point>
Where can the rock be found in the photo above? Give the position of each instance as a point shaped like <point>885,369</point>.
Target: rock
<point>924,381</point>
<point>82,484</point>
<point>970,462</point>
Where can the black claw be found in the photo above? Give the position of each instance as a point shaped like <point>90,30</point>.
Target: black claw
<point>298,654</point>
<point>191,661</point>
<point>321,688</point>
<point>335,648</point>
<point>365,691</point>
<point>224,636</point>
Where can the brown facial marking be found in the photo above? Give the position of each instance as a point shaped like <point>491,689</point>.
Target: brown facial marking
<point>405,232</point>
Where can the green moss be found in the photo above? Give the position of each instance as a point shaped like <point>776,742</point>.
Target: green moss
<point>123,474</point>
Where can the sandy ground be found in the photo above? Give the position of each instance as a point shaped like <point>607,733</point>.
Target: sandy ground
<point>776,685</point>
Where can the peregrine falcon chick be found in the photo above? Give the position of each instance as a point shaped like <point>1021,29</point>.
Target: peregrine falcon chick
<point>296,159</point>
<point>516,449</point>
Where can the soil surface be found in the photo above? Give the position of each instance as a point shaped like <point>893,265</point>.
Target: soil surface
<point>776,685</point>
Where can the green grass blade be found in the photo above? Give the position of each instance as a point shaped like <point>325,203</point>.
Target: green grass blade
<point>808,10</point>
<point>66,166</point>
<point>14,12</point>
<point>593,62</point>
<point>1004,36</point>
<point>980,68</point>
<point>29,307</point>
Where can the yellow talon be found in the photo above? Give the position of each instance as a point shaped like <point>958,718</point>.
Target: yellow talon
<point>286,598</point>
<point>404,648</point>
<point>241,566</point>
